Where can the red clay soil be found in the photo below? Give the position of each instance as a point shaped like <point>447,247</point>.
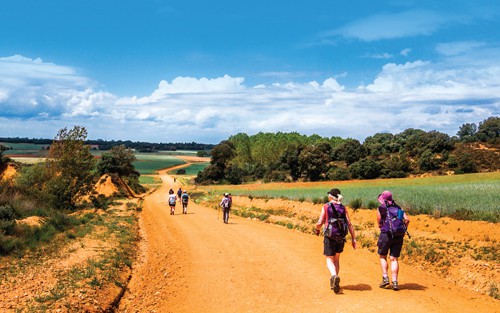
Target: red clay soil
<point>196,263</point>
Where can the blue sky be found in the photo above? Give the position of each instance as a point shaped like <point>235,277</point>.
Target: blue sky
<point>169,71</point>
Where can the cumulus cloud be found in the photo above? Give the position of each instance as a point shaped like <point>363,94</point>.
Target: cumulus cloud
<point>419,94</point>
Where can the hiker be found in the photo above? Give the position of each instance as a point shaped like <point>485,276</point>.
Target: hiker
<point>171,201</point>
<point>179,193</point>
<point>393,223</point>
<point>184,200</point>
<point>225,204</point>
<point>335,221</point>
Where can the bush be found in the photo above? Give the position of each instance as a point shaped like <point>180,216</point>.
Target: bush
<point>338,174</point>
<point>181,171</point>
<point>372,204</point>
<point>7,212</point>
<point>356,203</point>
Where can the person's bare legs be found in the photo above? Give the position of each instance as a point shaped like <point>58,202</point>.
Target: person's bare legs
<point>333,264</point>
<point>384,266</point>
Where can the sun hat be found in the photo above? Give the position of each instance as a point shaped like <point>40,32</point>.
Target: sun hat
<point>334,192</point>
<point>226,194</point>
<point>385,196</point>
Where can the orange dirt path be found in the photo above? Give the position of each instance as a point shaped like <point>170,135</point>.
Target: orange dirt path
<point>196,263</point>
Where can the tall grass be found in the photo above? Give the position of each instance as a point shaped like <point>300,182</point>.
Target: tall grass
<point>471,196</point>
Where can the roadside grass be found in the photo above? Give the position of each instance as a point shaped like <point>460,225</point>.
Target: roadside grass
<point>113,234</point>
<point>468,196</point>
<point>149,180</point>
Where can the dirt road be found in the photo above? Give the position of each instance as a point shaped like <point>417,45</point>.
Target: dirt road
<point>196,263</point>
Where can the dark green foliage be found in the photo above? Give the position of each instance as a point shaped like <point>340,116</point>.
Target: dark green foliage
<point>489,130</point>
<point>365,169</point>
<point>118,160</point>
<point>181,171</point>
<point>3,159</point>
<point>338,173</point>
<point>349,151</point>
<point>429,161</point>
<point>467,132</point>
<point>313,160</point>
<point>291,156</point>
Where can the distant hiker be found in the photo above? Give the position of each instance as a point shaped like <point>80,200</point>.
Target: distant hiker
<point>225,204</point>
<point>184,200</point>
<point>179,193</point>
<point>335,221</point>
<point>393,222</point>
<point>171,201</point>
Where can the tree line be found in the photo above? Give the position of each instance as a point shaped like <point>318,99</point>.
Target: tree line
<point>292,156</point>
<point>140,146</point>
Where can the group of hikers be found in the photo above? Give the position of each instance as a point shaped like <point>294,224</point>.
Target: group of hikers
<point>335,222</point>
<point>183,197</point>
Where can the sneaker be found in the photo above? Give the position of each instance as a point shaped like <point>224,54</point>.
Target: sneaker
<point>335,283</point>
<point>384,283</point>
<point>395,286</point>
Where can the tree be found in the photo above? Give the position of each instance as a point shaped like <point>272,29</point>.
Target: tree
<point>313,160</point>
<point>349,151</point>
<point>70,166</point>
<point>119,160</point>
<point>222,154</point>
<point>365,169</point>
<point>467,132</point>
<point>429,161</point>
<point>3,159</point>
<point>489,129</point>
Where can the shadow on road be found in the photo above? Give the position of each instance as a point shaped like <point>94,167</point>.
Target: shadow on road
<point>412,286</point>
<point>358,287</point>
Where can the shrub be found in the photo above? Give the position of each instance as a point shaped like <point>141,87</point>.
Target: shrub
<point>181,171</point>
<point>338,174</point>
<point>372,204</point>
<point>356,203</point>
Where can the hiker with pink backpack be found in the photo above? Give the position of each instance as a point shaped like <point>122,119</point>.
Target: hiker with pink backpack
<point>393,223</point>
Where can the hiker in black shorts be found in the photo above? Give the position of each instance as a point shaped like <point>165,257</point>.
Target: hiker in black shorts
<point>334,245</point>
<point>389,242</point>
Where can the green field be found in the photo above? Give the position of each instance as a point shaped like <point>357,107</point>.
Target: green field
<point>28,149</point>
<point>150,163</point>
<point>470,196</point>
<point>149,180</point>
<point>193,169</point>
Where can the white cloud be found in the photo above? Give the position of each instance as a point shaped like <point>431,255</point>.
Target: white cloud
<point>396,25</point>
<point>458,47</point>
<point>405,52</point>
<point>419,94</point>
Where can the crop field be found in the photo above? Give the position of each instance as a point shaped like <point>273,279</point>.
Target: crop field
<point>469,196</point>
<point>150,163</point>
<point>28,149</point>
<point>193,169</point>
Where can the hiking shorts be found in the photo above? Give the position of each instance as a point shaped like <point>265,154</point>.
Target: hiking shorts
<point>332,246</point>
<point>388,243</point>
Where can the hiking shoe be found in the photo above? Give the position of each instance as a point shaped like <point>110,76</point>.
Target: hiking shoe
<point>384,283</point>
<point>335,283</point>
<point>395,286</point>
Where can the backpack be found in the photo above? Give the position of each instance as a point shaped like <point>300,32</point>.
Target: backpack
<point>337,227</point>
<point>226,203</point>
<point>171,200</point>
<point>394,223</point>
<point>185,198</point>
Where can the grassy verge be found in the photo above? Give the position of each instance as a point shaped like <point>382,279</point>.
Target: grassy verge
<point>82,269</point>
